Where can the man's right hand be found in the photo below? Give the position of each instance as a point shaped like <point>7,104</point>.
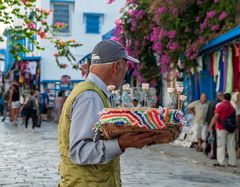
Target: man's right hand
<point>136,140</point>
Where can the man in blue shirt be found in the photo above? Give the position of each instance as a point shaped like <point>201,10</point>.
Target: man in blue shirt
<point>82,150</point>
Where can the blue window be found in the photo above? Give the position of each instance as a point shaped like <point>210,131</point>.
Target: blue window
<point>92,21</point>
<point>61,13</point>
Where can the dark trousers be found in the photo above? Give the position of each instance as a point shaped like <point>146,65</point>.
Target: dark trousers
<point>31,114</point>
<point>211,147</point>
<point>2,109</point>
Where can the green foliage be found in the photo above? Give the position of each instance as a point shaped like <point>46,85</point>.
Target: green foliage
<point>32,24</point>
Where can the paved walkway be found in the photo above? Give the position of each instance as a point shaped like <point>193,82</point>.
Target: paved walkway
<point>31,160</point>
<point>190,155</point>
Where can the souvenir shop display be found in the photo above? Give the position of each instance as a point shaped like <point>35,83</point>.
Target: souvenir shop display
<point>172,100</point>
<point>27,73</point>
<point>151,98</point>
<point>166,122</point>
<point>137,93</point>
<point>218,71</point>
<point>145,95</point>
<point>126,96</point>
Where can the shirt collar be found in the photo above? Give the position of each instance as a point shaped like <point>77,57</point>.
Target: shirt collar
<point>94,78</point>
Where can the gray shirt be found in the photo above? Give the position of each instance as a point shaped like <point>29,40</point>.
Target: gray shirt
<point>85,113</point>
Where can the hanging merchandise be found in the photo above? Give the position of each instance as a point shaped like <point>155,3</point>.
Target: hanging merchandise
<point>221,73</point>
<point>219,68</point>
<point>32,67</point>
<point>24,72</point>
<point>200,63</point>
<point>236,64</point>
<point>225,67</point>
<point>229,72</point>
<point>212,64</point>
<point>216,57</point>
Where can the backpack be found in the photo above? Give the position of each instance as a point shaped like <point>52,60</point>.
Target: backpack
<point>40,99</point>
<point>29,105</point>
<point>229,124</point>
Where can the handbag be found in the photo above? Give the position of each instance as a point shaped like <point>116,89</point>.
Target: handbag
<point>230,124</point>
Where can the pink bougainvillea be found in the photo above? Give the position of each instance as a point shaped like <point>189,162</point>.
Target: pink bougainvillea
<point>110,1</point>
<point>161,32</point>
<point>222,15</point>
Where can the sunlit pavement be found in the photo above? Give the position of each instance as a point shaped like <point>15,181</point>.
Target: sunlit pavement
<point>31,159</point>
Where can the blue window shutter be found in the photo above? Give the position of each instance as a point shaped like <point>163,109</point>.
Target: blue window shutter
<point>61,13</point>
<point>93,23</point>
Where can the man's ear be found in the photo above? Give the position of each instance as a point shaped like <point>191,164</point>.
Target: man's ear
<point>116,68</point>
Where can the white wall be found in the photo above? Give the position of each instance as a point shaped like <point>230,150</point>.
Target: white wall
<point>49,69</point>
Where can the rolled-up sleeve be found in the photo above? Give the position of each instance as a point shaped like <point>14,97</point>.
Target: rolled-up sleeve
<point>192,105</point>
<point>83,150</point>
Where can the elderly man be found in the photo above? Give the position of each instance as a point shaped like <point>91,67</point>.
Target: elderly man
<point>199,109</point>
<point>83,161</point>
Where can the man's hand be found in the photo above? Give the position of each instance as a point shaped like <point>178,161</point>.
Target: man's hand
<point>209,129</point>
<point>136,140</point>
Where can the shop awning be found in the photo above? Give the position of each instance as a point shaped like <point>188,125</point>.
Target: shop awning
<point>222,39</point>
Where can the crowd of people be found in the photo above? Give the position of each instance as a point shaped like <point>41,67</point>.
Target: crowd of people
<point>215,127</point>
<point>28,103</point>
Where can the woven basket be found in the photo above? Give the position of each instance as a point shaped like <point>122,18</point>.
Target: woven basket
<point>166,135</point>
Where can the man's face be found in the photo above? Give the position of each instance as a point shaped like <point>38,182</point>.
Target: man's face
<point>120,73</point>
<point>135,103</point>
<point>203,98</point>
<point>220,97</point>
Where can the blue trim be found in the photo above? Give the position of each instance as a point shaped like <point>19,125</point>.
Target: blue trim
<point>86,57</point>
<point>31,58</point>
<point>224,38</point>
<point>93,14</point>
<point>108,35</point>
<point>62,1</point>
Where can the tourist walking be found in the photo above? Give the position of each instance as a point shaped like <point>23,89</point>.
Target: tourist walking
<point>14,102</point>
<point>1,104</point>
<point>23,98</point>
<point>45,107</point>
<point>31,108</point>
<point>58,106</point>
<point>224,111</point>
<point>211,145</point>
<point>199,129</point>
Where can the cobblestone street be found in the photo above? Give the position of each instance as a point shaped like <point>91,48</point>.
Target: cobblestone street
<point>29,159</point>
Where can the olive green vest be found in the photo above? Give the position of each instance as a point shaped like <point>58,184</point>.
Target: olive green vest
<point>73,175</point>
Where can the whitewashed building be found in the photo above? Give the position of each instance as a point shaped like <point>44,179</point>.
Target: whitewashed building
<point>88,21</point>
